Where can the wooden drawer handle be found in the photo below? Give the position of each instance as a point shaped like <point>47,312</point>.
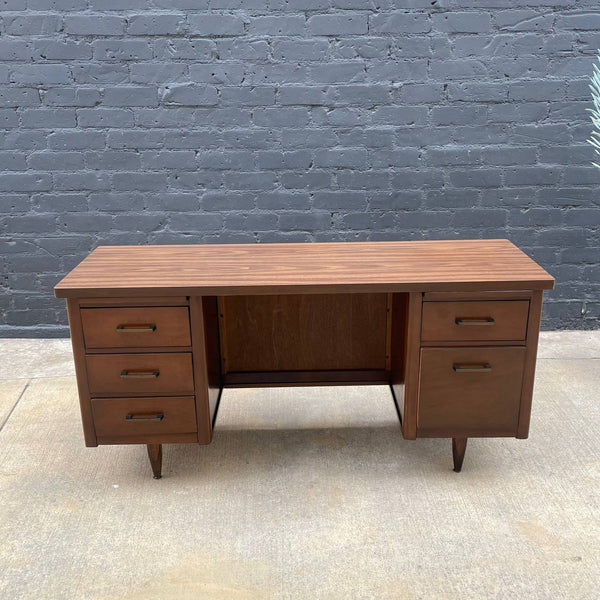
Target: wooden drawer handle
<point>125,374</point>
<point>474,321</point>
<point>136,328</point>
<point>157,417</point>
<point>472,368</point>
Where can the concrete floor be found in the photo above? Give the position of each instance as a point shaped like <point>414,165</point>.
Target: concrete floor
<point>304,493</point>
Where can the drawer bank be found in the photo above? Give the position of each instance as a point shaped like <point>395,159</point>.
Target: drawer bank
<point>159,331</point>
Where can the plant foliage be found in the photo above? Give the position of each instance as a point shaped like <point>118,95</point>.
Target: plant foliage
<point>595,112</point>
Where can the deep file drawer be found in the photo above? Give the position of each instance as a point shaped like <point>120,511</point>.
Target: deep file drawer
<point>140,374</point>
<point>475,320</point>
<point>144,416</point>
<point>470,391</point>
<point>139,327</point>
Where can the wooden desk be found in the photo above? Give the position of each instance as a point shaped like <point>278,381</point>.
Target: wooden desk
<point>159,331</point>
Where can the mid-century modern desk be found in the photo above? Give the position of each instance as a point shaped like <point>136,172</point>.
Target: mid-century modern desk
<point>158,332</point>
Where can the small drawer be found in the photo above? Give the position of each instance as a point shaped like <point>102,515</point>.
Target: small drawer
<point>144,416</point>
<point>470,391</point>
<point>475,321</point>
<point>140,374</point>
<point>140,327</point>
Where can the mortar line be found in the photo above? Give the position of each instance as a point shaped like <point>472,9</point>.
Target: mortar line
<point>10,412</point>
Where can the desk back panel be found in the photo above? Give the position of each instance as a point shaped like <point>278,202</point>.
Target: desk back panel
<point>304,332</point>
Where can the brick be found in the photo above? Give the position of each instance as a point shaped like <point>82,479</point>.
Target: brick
<point>40,74</point>
<point>458,69</point>
<point>100,73</point>
<point>60,203</point>
<point>364,180</point>
<point>480,217</point>
<point>8,118</point>
<point>300,95</point>
<point>241,49</point>
<point>76,140</point>
<point>56,161</point>
<point>111,25</point>
<point>582,21</point>
<point>189,95</point>
<point>197,222</point>
<point>25,182</point>
<point>422,92</point>
<point>12,161</point>
<point>523,20</point>
<point>340,24</point>
<point>483,178</point>
<point>281,117</point>
<point>135,138</point>
<point>67,50</point>
<point>131,96</point>
<point>112,160</point>
<point>248,96</point>
<point>168,159</point>
<point>104,117</point>
<point>179,48</point>
<point>32,24</point>
<point>55,4</point>
<point>157,73</point>
<point>224,74</point>
<point>337,73</point>
<point>300,50</point>
<point>72,96</point>
<point>399,22</point>
<point>536,90</point>
<point>277,25</point>
<point>164,117</point>
<point>139,181</point>
<point>458,115</point>
<point>215,25</point>
<point>120,49</point>
<point>225,160</point>
<point>19,97</point>
<point>155,24</point>
<point>81,181</point>
<point>401,115</point>
<point>462,22</point>
<point>16,49</point>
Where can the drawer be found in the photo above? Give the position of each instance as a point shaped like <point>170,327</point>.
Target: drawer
<point>140,374</point>
<point>470,391</point>
<point>144,416</point>
<point>475,321</point>
<point>141,327</point>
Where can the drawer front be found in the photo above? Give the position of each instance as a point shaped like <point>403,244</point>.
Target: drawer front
<point>470,391</point>
<point>144,416</point>
<point>140,374</point>
<point>150,326</point>
<point>475,321</point>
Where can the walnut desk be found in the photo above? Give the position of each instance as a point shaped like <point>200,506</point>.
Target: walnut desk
<point>158,332</point>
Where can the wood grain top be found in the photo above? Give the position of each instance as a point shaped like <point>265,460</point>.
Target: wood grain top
<point>235,269</point>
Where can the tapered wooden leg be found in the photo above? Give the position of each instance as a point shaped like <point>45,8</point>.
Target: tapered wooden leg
<point>459,445</point>
<point>155,456</point>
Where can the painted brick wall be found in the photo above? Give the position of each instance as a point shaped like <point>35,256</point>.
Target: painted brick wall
<point>179,121</point>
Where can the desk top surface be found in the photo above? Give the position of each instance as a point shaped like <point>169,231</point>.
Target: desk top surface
<point>230,269</point>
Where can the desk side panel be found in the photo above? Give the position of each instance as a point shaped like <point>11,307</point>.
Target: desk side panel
<point>77,341</point>
<point>533,331</point>
<point>205,354</point>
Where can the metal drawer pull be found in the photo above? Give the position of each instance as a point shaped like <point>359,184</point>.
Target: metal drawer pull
<point>139,374</point>
<point>472,368</point>
<point>136,328</point>
<point>474,321</point>
<point>158,417</point>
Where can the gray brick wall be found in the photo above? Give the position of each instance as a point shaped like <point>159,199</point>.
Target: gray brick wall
<point>180,121</point>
